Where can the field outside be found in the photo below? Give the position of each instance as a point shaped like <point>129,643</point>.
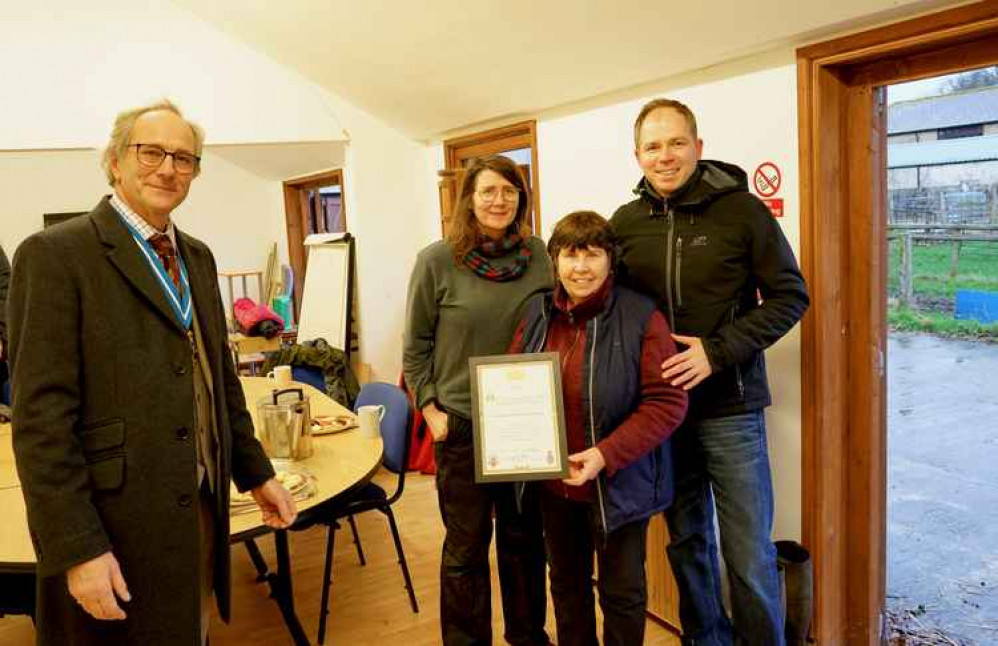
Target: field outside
<point>934,287</point>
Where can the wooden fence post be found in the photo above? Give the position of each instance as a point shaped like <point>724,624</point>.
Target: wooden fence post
<point>906,266</point>
<point>954,265</point>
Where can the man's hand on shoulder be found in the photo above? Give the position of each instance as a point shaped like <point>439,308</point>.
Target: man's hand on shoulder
<point>95,583</point>
<point>276,503</point>
<point>689,367</point>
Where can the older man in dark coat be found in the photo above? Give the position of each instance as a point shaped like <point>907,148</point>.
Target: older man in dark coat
<point>129,419</point>
<point>4,284</point>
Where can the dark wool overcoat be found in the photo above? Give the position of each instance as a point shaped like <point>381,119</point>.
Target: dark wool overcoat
<point>103,428</point>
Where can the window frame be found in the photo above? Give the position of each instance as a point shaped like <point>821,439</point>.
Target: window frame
<point>495,141</point>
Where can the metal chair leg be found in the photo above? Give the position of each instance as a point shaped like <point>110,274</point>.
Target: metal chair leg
<point>356,540</point>
<point>258,561</point>
<point>327,581</point>
<point>401,553</point>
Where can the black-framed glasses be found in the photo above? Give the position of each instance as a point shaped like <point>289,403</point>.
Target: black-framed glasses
<point>151,156</point>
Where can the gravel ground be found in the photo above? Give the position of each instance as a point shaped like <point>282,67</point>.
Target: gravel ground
<point>943,485</point>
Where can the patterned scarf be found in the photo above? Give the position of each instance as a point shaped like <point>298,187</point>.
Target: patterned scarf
<point>478,258</point>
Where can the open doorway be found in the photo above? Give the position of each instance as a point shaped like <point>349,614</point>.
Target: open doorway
<point>844,253</point>
<point>942,355</point>
<point>312,204</point>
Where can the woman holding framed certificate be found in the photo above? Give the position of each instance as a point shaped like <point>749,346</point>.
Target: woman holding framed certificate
<point>618,414</point>
<point>466,295</point>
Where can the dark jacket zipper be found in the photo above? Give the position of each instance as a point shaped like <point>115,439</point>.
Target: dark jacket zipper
<point>592,424</point>
<point>679,271</point>
<point>738,367</point>
<point>670,231</point>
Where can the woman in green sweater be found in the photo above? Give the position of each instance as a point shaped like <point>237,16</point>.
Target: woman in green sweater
<point>465,298</point>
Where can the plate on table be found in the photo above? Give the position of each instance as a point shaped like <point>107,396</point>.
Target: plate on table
<point>299,482</point>
<point>327,424</point>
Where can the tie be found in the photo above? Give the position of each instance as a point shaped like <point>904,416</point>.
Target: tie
<point>168,256</point>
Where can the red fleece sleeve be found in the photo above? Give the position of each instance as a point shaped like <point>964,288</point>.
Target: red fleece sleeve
<point>661,409</point>
<point>516,347</point>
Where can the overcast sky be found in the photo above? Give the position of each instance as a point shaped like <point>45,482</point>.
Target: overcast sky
<point>916,89</point>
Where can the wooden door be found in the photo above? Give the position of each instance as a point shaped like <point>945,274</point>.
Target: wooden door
<point>663,595</point>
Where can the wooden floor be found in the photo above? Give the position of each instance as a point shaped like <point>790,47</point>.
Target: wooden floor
<point>368,604</point>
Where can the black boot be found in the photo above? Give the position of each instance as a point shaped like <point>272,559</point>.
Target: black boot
<point>796,563</point>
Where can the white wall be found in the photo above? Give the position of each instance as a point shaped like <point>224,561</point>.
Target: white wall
<point>69,69</point>
<point>747,114</point>
<point>232,210</point>
<point>391,209</point>
<point>982,172</point>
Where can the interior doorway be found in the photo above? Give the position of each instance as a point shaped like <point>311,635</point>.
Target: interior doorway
<point>843,142</point>
<point>312,204</point>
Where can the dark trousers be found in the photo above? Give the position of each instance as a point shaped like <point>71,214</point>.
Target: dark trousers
<point>572,536</point>
<point>206,529</point>
<point>465,587</point>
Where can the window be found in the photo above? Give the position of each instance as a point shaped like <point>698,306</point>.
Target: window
<point>958,132</point>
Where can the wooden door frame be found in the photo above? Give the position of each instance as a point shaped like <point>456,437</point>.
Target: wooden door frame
<point>296,222</point>
<point>844,257</point>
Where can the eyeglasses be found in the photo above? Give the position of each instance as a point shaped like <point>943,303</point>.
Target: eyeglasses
<point>489,194</point>
<point>151,156</point>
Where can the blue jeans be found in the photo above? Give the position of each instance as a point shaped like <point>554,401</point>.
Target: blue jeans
<point>725,460</point>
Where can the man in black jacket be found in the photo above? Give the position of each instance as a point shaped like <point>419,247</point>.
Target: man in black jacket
<point>723,273</point>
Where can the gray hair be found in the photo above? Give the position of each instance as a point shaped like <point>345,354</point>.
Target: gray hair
<point>121,134</point>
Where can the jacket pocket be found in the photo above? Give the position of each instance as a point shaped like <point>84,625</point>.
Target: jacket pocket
<point>104,453</point>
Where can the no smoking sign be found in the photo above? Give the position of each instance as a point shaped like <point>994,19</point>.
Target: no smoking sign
<point>767,179</point>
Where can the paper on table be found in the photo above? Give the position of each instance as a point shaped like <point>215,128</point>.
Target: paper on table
<point>300,483</point>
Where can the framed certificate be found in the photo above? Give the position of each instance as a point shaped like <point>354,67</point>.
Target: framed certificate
<point>518,417</point>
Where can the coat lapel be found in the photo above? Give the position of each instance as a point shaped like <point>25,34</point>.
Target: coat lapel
<point>202,291</point>
<point>124,254</point>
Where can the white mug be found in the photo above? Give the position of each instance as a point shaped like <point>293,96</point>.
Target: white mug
<point>280,374</point>
<point>369,418</point>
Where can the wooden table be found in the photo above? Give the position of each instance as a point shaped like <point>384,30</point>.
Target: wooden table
<point>17,557</point>
<point>341,463</point>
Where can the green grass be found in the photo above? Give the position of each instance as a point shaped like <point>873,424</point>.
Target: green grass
<point>978,268</point>
<point>935,290</point>
<point>903,319</point>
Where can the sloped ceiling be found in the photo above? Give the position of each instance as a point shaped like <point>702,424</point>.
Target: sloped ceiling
<point>432,66</point>
<point>280,162</point>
